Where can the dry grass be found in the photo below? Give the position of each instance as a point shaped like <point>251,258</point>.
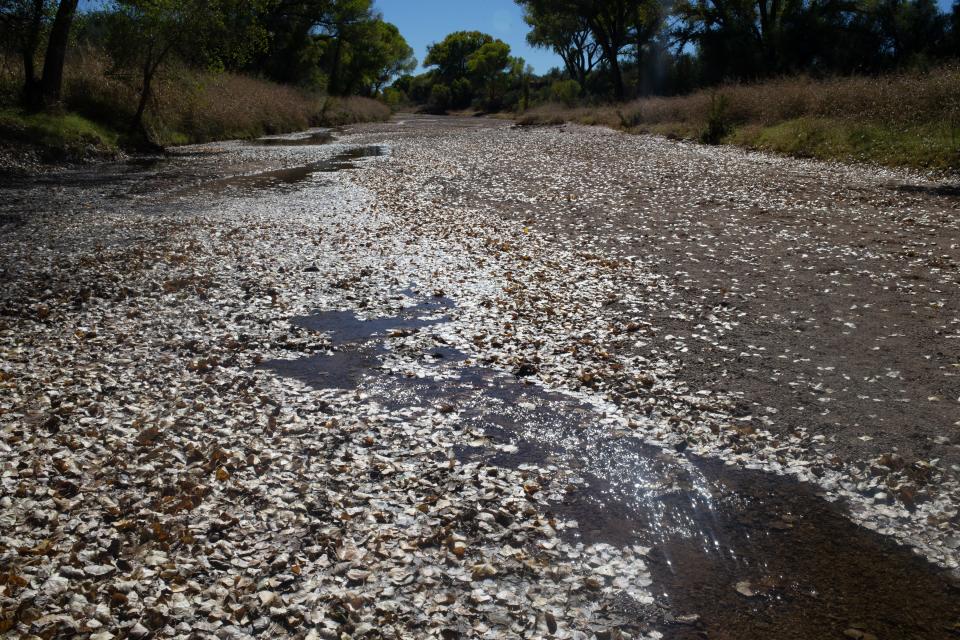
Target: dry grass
<point>903,98</point>
<point>194,106</point>
<point>341,111</point>
<point>885,117</point>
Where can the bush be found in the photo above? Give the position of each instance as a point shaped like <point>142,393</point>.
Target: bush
<point>899,119</point>
<point>566,92</point>
<point>440,96</point>
<point>461,93</point>
<point>394,98</point>
<point>718,120</point>
<point>192,106</point>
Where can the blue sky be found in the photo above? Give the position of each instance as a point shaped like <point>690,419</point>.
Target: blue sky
<point>423,22</point>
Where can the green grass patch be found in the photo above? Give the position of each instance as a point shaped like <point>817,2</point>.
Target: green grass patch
<point>59,135</point>
<point>932,145</point>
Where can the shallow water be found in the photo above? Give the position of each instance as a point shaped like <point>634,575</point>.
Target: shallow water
<point>309,139</point>
<point>283,178</point>
<point>733,553</point>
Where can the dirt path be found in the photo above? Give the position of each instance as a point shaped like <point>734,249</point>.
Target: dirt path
<point>451,378</point>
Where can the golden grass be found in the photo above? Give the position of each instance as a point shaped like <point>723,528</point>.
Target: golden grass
<point>192,106</point>
<point>902,119</point>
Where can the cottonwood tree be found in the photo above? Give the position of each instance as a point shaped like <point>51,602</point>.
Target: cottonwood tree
<point>366,53</point>
<point>27,22</point>
<point>488,66</point>
<point>614,24</point>
<point>341,46</point>
<point>143,35</point>
<point>388,56</point>
<point>451,54</point>
<point>566,34</point>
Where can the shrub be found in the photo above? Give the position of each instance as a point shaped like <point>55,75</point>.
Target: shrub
<point>197,106</point>
<point>566,92</point>
<point>440,96</point>
<point>461,93</point>
<point>718,120</point>
<point>394,98</point>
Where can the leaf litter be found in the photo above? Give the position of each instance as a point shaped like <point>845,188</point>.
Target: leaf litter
<point>158,480</point>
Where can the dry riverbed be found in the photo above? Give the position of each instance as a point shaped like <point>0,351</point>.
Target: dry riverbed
<point>449,378</point>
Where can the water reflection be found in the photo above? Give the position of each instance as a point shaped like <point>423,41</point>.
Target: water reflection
<point>751,554</point>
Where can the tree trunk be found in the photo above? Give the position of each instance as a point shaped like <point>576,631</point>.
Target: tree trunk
<point>638,60</point>
<point>52,81</point>
<point>136,126</point>
<point>611,53</point>
<point>334,87</point>
<point>618,91</point>
<point>31,88</point>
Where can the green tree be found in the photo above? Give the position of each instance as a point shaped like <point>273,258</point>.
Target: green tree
<point>371,54</point>
<point>955,30</point>
<point>909,28</point>
<point>22,26</point>
<point>487,66</point>
<point>614,25</point>
<point>565,91</point>
<point>566,33</point>
<point>345,22</point>
<point>26,23</point>
<point>145,34</point>
<point>450,55</point>
<point>439,98</point>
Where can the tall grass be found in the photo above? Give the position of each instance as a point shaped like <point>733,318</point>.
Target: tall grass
<point>900,119</point>
<point>192,106</point>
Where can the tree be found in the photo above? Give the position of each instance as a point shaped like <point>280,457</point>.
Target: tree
<point>487,66</point>
<point>955,30</point>
<point>371,54</point>
<point>909,28</point>
<point>647,22</point>
<point>27,22</point>
<point>610,22</point>
<point>450,55</point>
<point>21,28</point>
<point>394,56</point>
<point>613,24</point>
<point>343,24</point>
<point>145,34</point>
<point>737,38</point>
<point>51,82</point>
<point>566,33</point>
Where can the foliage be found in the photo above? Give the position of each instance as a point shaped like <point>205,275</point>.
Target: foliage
<point>645,47</point>
<point>566,92</point>
<point>469,69</point>
<point>26,27</point>
<point>908,119</point>
<point>59,136</point>
<point>450,56</point>
<point>718,120</point>
<point>341,46</point>
<point>440,98</point>
<point>566,33</point>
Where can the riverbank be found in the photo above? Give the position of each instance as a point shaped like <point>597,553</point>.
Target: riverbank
<point>904,120</point>
<point>190,107</point>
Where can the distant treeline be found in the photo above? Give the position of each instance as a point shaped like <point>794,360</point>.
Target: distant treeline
<point>335,47</point>
<point>623,49</point>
